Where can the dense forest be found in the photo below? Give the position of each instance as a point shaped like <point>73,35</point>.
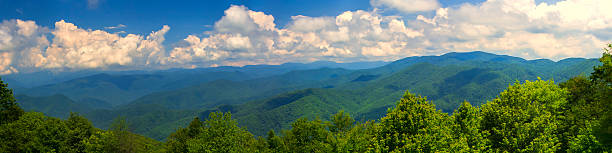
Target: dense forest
<point>529,116</point>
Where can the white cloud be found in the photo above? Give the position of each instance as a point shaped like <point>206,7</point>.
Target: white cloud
<point>26,28</point>
<point>407,6</point>
<point>236,20</point>
<point>242,37</point>
<point>302,23</point>
<point>92,4</point>
<point>263,21</point>
<point>24,46</point>
<point>73,47</point>
<point>522,28</point>
<point>5,63</point>
<point>238,42</point>
<point>151,50</point>
<point>119,26</point>
<point>20,44</point>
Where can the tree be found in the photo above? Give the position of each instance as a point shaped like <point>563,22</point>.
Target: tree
<point>357,139</point>
<point>33,132</point>
<point>9,109</point>
<point>583,106</point>
<point>340,122</point>
<point>585,141</point>
<point>221,134</point>
<point>307,136</point>
<point>587,119</point>
<point>603,75</point>
<point>124,137</point>
<point>177,141</point>
<point>79,129</point>
<point>117,139</point>
<point>414,125</point>
<point>275,143</point>
<point>525,117</point>
<point>101,141</point>
<point>467,129</point>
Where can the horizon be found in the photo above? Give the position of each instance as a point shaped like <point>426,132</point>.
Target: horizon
<point>103,71</point>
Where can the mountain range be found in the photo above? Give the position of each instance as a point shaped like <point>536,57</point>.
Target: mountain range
<point>264,97</point>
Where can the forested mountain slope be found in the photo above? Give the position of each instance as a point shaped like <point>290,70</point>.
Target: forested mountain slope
<point>369,95</point>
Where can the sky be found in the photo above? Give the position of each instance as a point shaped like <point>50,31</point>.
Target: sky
<point>69,35</point>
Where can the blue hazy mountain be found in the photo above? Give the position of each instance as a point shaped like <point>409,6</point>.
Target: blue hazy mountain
<point>120,87</point>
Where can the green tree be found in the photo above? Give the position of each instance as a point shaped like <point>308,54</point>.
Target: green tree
<point>177,141</point>
<point>414,125</point>
<point>584,106</point>
<point>603,75</point>
<point>275,143</point>
<point>117,139</point>
<point>9,110</point>
<point>101,141</point>
<point>467,130</point>
<point>340,122</point>
<point>124,137</point>
<point>221,134</point>
<point>33,132</point>
<point>585,141</point>
<point>79,129</point>
<point>525,117</point>
<point>357,139</point>
<point>587,113</point>
<point>307,136</point>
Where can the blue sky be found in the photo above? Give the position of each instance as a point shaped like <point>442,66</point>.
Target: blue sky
<point>62,35</point>
<point>185,17</point>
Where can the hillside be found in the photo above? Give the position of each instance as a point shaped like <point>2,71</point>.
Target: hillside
<point>266,96</point>
<point>57,105</point>
<point>370,93</point>
<point>122,87</point>
<point>164,111</point>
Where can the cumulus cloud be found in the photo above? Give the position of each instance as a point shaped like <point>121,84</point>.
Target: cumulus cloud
<point>24,46</point>
<point>522,28</point>
<point>243,36</point>
<point>5,63</point>
<point>73,47</point>
<point>19,43</point>
<point>407,6</point>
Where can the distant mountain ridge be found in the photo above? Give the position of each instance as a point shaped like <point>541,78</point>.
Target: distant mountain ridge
<point>46,77</point>
<point>119,88</point>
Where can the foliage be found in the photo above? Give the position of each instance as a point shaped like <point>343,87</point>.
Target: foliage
<point>219,133</point>
<point>307,136</point>
<point>9,110</point>
<point>414,125</point>
<point>35,132</point>
<point>468,132</point>
<point>602,76</point>
<point>525,117</point>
